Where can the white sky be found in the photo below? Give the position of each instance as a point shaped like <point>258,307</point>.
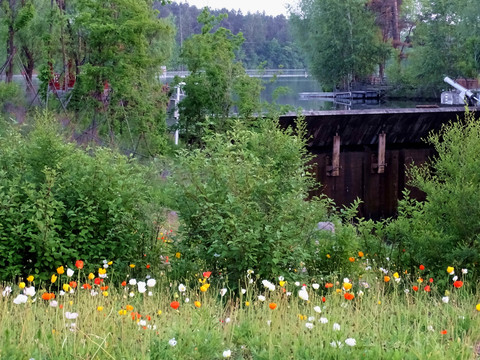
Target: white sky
<point>271,7</point>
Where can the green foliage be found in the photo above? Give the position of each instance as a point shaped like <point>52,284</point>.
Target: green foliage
<point>241,201</point>
<point>267,38</point>
<point>10,93</point>
<point>214,78</point>
<point>340,40</point>
<point>445,41</point>
<point>59,203</point>
<point>443,230</point>
<point>114,50</point>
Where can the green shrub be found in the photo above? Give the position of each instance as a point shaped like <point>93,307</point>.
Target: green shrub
<point>444,230</point>
<point>59,203</point>
<point>10,93</point>
<point>241,202</point>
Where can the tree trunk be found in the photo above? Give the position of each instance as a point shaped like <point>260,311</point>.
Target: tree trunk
<point>29,67</point>
<point>10,53</point>
<point>395,27</point>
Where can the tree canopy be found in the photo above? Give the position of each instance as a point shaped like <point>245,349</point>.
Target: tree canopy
<point>340,40</point>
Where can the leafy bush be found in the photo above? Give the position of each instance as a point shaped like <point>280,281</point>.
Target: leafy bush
<point>241,202</point>
<point>10,93</point>
<point>444,230</point>
<point>59,203</point>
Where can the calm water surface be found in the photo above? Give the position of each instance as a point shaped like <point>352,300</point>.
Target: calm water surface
<point>301,85</point>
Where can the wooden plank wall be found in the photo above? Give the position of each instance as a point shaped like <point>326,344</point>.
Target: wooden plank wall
<point>378,191</point>
<point>360,172</point>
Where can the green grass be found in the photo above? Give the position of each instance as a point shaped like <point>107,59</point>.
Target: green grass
<point>386,323</point>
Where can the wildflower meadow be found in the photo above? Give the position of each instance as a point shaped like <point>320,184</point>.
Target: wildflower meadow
<point>377,314</point>
<point>217,254</point>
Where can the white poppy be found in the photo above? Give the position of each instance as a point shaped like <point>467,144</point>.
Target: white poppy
<point>351,342</point>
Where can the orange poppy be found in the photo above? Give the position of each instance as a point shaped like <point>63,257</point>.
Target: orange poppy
<point>79,264</point>
<point>48,296</point>
<point>328,285</point>
<point>272,306</point>
<point>349,296</point>
<point>415,288</point>
<point>427,288</point>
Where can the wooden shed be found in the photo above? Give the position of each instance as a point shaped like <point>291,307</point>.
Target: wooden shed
<point>365,153</point>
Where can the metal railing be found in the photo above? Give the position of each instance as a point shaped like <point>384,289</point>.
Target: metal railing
<point>254,73</point>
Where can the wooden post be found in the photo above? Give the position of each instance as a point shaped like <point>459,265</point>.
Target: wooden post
<point>378,163</point>
<point>381,152</point>
<point>334,169</point>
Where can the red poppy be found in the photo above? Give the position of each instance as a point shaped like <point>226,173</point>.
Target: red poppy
<point>98,281</point>
<point>415,288</point>
<point>421,267</point>
<point>430,280</point>
<point>348,296</point>
<point>427,288</point>
<point>324,299</point>
<point>458,284</point>
<point>124,283</point>
<point>207,274</point>
<point>79,264</point>
<point>174,305</point>
<point>443,332</point>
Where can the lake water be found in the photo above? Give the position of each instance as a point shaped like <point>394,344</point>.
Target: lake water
<point>300,84</point>
<point>297,85</point>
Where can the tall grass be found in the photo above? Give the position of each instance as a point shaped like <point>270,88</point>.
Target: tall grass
<point>386,321</point>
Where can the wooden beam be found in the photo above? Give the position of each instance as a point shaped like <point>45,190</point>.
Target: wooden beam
<point>382,139</point>
<point>334,168</point>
